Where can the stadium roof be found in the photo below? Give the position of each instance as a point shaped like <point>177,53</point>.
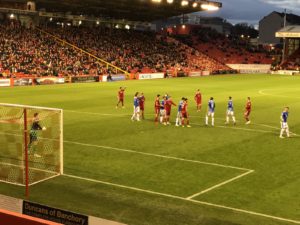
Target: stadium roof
<point>289,32</point>
<point>135,10</point>
<point>291,18</point>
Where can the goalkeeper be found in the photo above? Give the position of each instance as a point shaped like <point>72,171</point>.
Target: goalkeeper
<point>33,134</point>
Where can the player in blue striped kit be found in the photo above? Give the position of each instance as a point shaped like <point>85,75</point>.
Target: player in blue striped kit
<point>162,111</point>
<point>210,112</point>
<point>179,116</point>
<point>230,111</point>
<point>284,125</point>
<point>136,107</point>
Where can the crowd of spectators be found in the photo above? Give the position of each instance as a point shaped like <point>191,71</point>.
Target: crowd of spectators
<point>228,49</point>
<point>29,51</point>
<point>137,51</point>
<point>292,62</point>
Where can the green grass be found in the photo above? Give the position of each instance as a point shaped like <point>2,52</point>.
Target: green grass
<point>272,189</point>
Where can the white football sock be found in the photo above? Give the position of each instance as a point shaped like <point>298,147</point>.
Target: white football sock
<point>281,132</point>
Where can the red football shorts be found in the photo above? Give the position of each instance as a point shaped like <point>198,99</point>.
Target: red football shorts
<point>157,110</point>
<point>185,115</point>
<point>247,113</point>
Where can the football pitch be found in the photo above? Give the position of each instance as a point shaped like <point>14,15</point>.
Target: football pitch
<point>140,173</point>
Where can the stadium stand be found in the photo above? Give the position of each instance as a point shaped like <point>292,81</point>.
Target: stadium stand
<point>137,51</point>
<point>30,52</point>
<point>227,49</point>
<point>292,62</point>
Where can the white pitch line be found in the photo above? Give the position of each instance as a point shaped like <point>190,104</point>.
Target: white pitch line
<point>238,128</point>
<point>151,154</point>
<point>265,125</point>
<point>95,113</point>
<point>8,182</point>
<point>121,186</point>
<point>184,199</point>
<point>37,169</point>
<point>22,135</point>
<point>276,128</point>
<point>51,172</point>
<point>219,185</point>
<point>157,155</point>
<point>262,92</point>
<point>246,211</point>
<point>48,178</point>
<point>32,168</point>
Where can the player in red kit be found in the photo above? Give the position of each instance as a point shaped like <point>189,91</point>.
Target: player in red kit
<point>185,115</point>
<point>248,110</point>
<point>142,105</point>
<point>121,97</point>
<point>168,107</point>
<point>157,108</point>
<point>198,100</point>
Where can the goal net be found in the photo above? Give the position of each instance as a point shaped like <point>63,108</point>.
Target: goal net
<point>31,144</point>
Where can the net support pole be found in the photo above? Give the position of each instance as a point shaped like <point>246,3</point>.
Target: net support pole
<point>26,154</point>
<point>61,143</point>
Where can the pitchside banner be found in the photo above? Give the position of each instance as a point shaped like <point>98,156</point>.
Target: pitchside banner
<point>53,214</point>
<point>50,80</point>
<point>4,82</point>
<point>85,79</point>
<point>22,81</point>
<point>251,68</point>
<point>148,76</point>
<point>118,77</point>
<point>195,74</point>
<point>286,72</point>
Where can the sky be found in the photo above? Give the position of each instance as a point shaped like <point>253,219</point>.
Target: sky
<point>251,11</point>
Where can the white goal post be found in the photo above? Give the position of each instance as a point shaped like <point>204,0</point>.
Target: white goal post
<point>31,144</point>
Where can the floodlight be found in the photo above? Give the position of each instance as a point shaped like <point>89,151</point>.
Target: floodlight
<point>170,1</point>
<point>184,3</point>
<point>209,7</point>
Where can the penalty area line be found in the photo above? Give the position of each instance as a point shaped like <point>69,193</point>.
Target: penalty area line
<point>98,114</point>
<point>158,156</point>
<point>263,92</point>
<point>125,115</point>
<point>219,185</point>
<point>185,199</point>
<point>238,128</point>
